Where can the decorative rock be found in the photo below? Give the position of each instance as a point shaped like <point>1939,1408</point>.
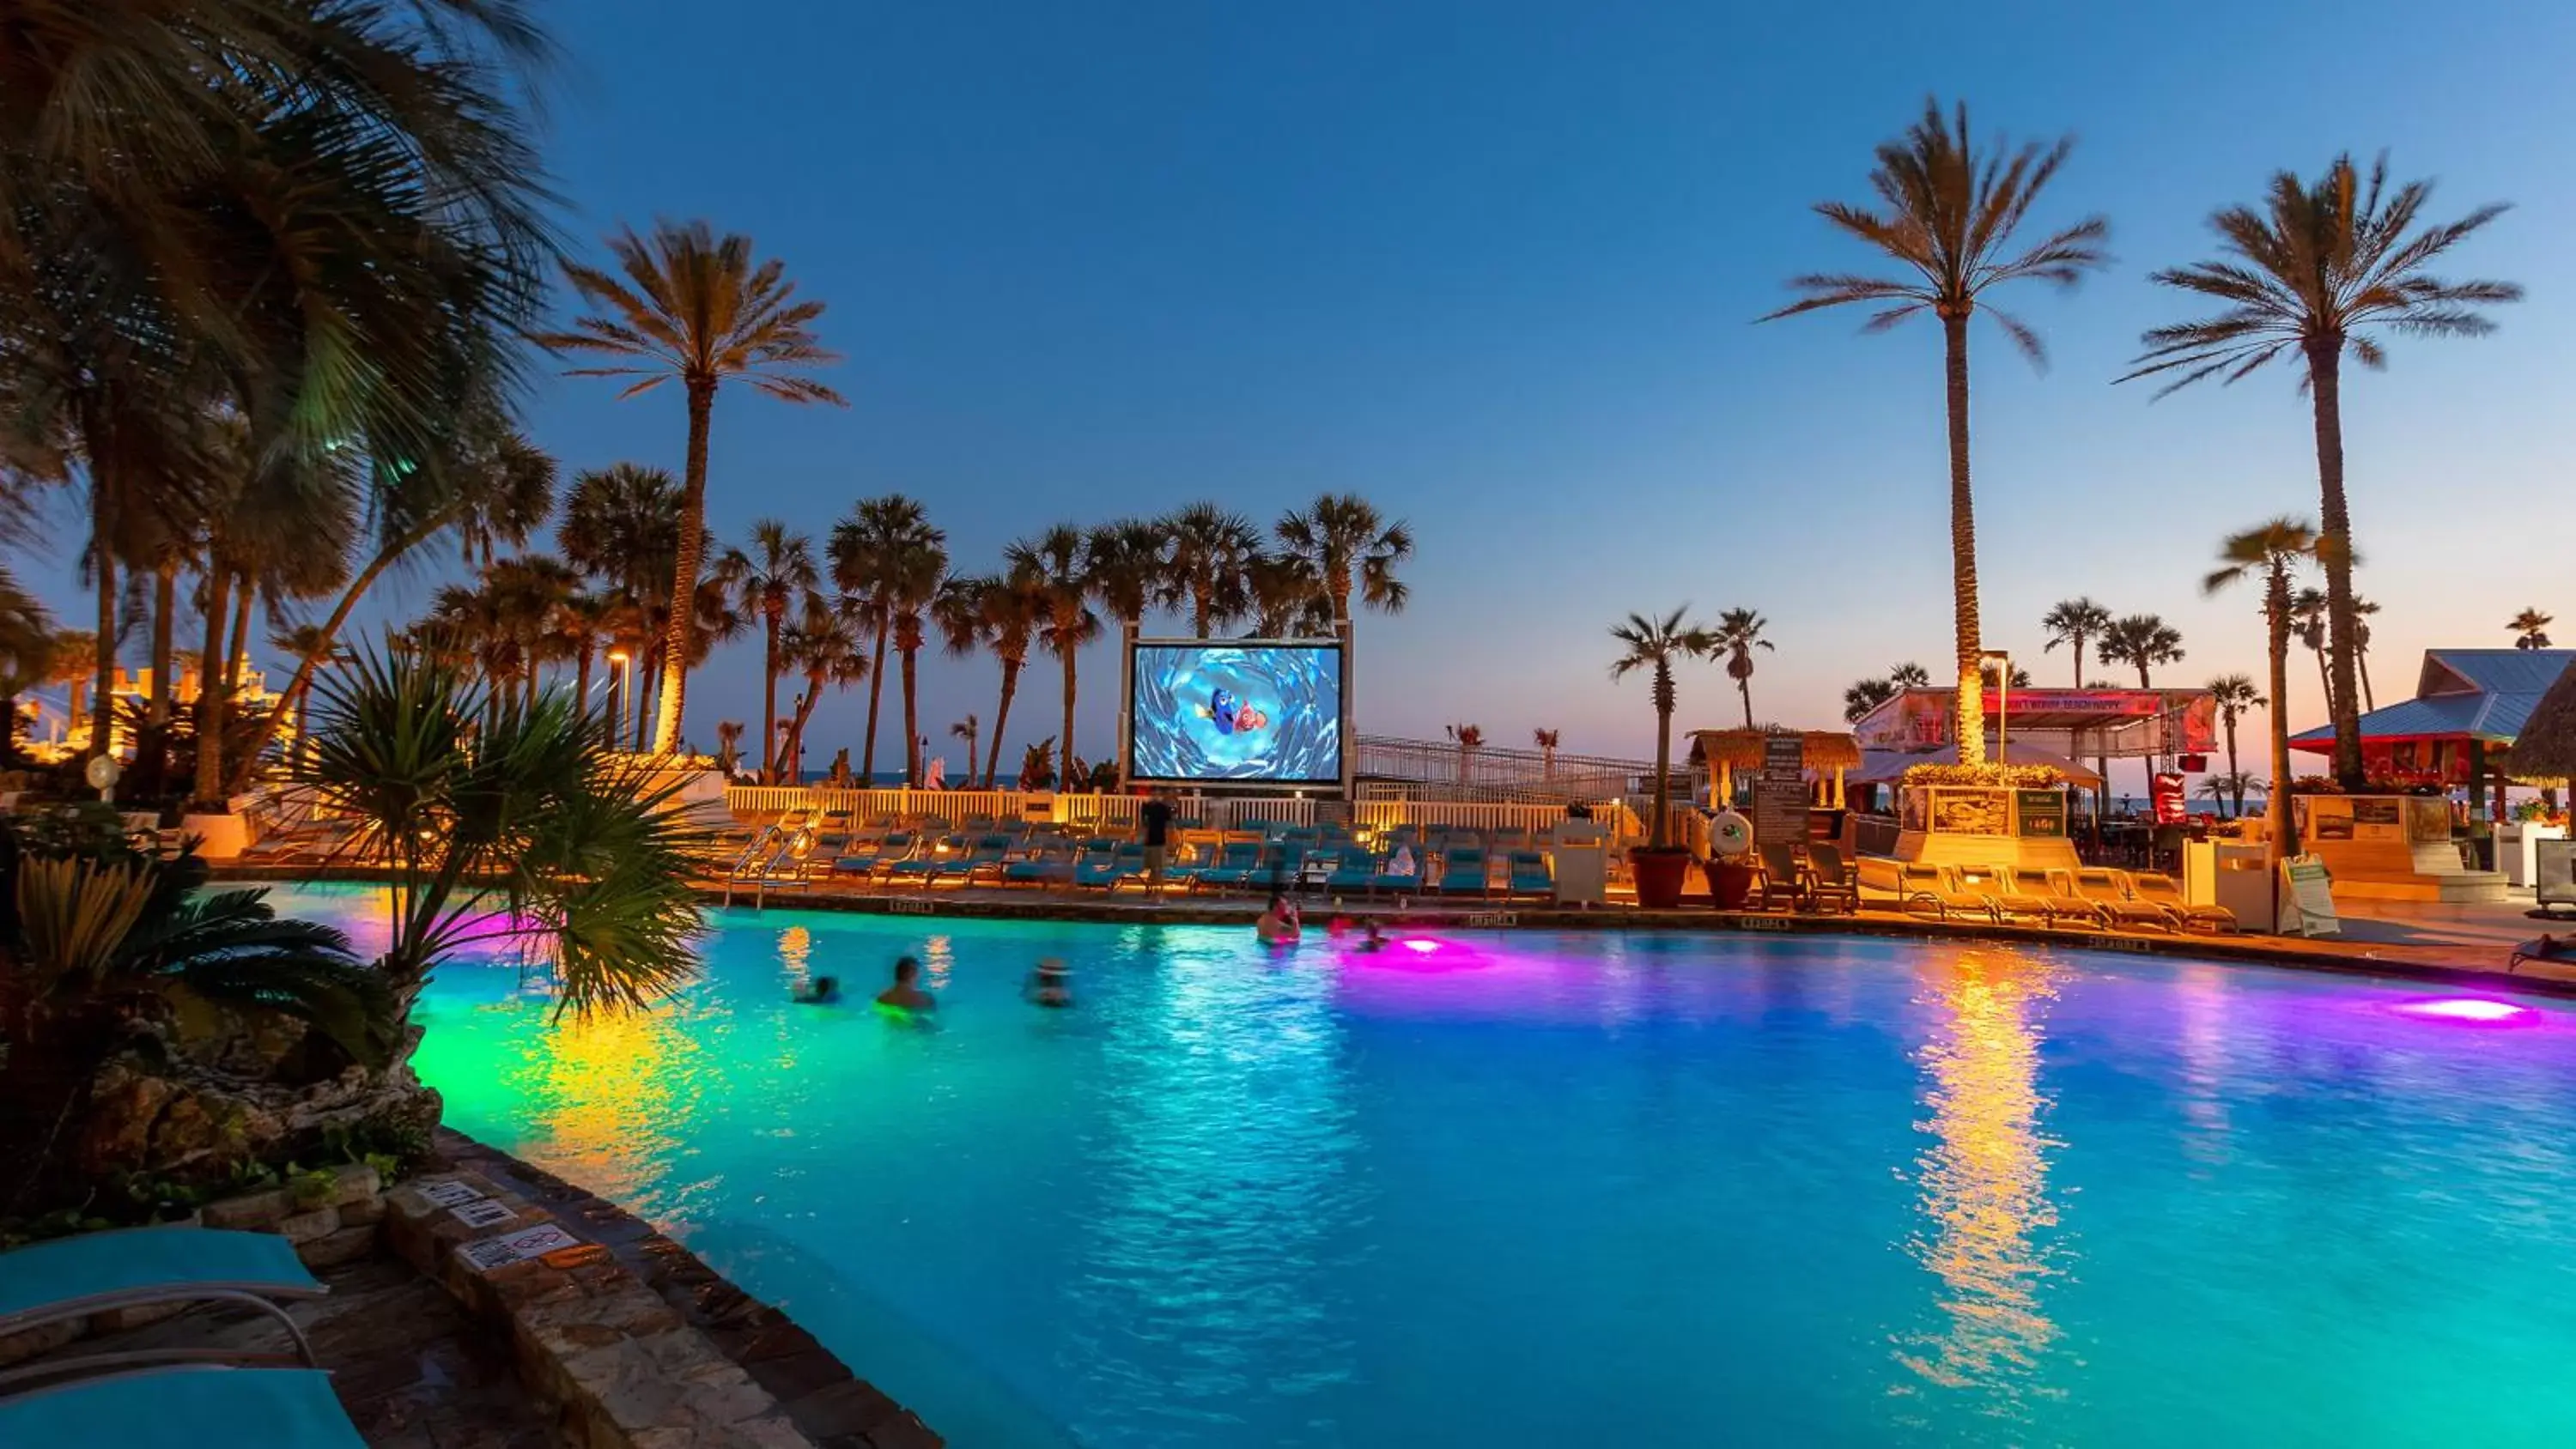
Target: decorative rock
<point>331,1250</point>
<point>364,1211</point>
<point>357,1183</point>
<point>302,1228</point>
<point>256,1211</point>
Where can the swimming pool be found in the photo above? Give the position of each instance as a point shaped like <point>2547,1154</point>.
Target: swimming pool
<point>1614,1189</point>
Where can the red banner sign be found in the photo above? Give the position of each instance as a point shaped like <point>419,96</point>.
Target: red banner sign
<point>2167,794</point>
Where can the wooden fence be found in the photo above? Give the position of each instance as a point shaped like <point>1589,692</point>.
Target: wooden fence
<point>1118,812</point>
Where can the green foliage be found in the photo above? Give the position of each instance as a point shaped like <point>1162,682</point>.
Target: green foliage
<point>310,1187</point>
<point>478,802</point>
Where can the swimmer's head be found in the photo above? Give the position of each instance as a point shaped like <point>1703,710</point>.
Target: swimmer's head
<point>906,968</point>
<point>826,985</point>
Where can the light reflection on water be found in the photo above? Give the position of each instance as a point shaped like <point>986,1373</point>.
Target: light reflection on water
<point>1629,1189</point>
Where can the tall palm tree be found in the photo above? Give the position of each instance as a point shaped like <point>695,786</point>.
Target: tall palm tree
<point>2141,641</point>
<point>2235,694</point>
<point>2531,628</point>
<point>1909,675</point>
<point>1212,555</point>
<point>1349,549</point>
<point>885,556</point>
<point>825,648</point>
<point>1287,597</point>
<point>2362,609</point>
<point>969,729</point>
<point>1052,566</point>
<point>2308,622</point>
<point>2270,552</point>
<point>1949,218</point>
<point>771,580</point>
<point>1546,740</point>
<point>2317,273</point>
<point>1739,633</point>
<point>1128,563</point>
<point>1656,645</point>
<point>580,621</point>
<point>698,309</point>
<point>2073,622</point>
<point>1003,614</point>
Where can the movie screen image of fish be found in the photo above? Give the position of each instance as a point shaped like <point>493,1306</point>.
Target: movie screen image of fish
<point>1256,712</point>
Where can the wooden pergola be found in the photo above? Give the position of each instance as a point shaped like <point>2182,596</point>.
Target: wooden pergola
<point>1823,754</point>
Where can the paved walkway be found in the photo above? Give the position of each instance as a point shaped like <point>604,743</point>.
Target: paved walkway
<point>409,1367</point>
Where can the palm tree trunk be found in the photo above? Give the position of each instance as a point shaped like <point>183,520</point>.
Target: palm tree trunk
<point>1971,722</point>
<point>1199,610</point>
<point>768,695</point>
<point>2276,807</point>
<point>1064,773</point>
<point>581,676</point>
<point>303,676</point>
<point>2361,658</point>
<point>911,721</point>
<point>2325,385</point>
<point>684,578</point>
<point>1001,719</point>
<point>165,604</point>
<point>1663,775</point>
<point>2325,681</point>
<point>102,705</point>
<point>2079,661</point>
<point>210,710</point>
<point>876,693</point>
<point>2235,776</point>
<point>244,598</point>
<point>793,747</point>
<point>1744,687</point>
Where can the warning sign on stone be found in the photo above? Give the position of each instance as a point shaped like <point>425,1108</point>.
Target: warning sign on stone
<point>516,1247</point>
<point>450,1193</point>
<point>483,1213</point>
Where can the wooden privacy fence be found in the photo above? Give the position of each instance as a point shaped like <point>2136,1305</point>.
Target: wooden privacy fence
<point>1117,813</point>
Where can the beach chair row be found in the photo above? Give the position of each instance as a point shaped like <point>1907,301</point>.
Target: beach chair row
<point>2093,896</point>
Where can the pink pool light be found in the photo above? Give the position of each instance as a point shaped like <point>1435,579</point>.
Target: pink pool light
<point>2475,1009</point>
<point>1419,945</point>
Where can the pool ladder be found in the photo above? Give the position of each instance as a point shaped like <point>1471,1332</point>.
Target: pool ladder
<point>775,859</point>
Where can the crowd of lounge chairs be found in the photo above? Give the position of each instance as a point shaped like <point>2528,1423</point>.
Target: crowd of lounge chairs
<point>925,853</point>
<point>2094,897</point>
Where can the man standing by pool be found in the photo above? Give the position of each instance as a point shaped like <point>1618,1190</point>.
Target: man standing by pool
<point>1154,831</point>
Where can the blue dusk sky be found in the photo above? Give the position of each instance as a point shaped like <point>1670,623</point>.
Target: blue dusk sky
<point>1496,266</point>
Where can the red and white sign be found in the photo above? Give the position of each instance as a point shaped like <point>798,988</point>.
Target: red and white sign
<point>2166,791</point>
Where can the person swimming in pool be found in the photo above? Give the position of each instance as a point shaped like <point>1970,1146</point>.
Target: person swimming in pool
<point>826,991</point>
<point>906,993</point>
<point>1051,984</point>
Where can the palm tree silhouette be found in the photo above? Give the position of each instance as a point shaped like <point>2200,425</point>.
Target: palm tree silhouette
<point>1655,645</point>
<point>2074,622</point>
<point>2270,552</point>
<point>2530,629</point>
<point>1739,633</point>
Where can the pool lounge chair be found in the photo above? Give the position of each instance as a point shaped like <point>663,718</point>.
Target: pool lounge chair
<point>1104,869</point>
<point>1353,869</point>
<point>865,860</point>
<point>1236,861</point>
<point>72,1278</point>
<point>2157,889</point>
<point>198,1407</point>
<point>1829,881</point>
<point>2000,885</point>
<point>2101,885</point>
<point>1782,881</point>
<point>924,865</point>
<point>1931,886</point>
<point>1463,871</point>
<point>1047,862</point>
<point>1529,875</point>
<point>982,861</point>
<point>2056,897</point>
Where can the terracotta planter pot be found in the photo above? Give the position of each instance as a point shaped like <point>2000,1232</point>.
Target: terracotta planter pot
<point>1660,874</point>
<point>1730,884</point>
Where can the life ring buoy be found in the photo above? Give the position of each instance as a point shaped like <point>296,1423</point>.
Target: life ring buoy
<point>1729,835</point>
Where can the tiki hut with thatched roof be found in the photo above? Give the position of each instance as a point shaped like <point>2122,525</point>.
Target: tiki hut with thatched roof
<point>2544,753</point>
<point>1824,754</point>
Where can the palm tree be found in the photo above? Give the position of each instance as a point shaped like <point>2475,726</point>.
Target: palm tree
<point>1739,633</point>
<point>1864,695</point>
<point>1546,741</point>
<point>2073,622</point>
<point>2531,629</point>
<point>1288,599</point>
<point>1210,568</point>
<point>1909,675</point>
<point>2308,621</point>
<point>2362,609</point>
<point>2141,641</point>
<point>825,648</point>
<point>2270,552</point>
<point>729,747</point>
<point>968,729</point>
<point>1656,645</point>
<point>1989,673</point>
<point>1051,568</point>
<point>1128,563</point>
<point>698,309</point>
<point>1950,218</point>
<point>2316,273</point>
<point>1347,548</point>
<point>2235,694</point>
<point>1003,614</point>
<point>885,554</point>
<point>2230,787</point>
<point>580,621</point>
<point>72,662</point>
<point>772,579</point>
<point>1469,739</point>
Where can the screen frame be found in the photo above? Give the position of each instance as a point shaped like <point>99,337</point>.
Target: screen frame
<point>1341,718</point>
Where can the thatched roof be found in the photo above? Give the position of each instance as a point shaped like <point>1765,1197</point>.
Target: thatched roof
<point>2545,750</point>
<point>1742,749</point>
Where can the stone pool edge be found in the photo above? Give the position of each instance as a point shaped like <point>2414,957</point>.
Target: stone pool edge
<point>829,1404</point>
<point>2423,963</point>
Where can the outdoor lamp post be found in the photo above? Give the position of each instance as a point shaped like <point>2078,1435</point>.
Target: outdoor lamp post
<point>617,661</point>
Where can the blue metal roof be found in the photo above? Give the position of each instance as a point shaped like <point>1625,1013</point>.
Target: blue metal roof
<point>2463,693</point>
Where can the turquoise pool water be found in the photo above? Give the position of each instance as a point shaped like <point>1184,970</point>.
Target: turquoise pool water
<point>1606,1189</point>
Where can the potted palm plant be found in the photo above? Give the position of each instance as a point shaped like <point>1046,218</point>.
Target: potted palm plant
<point>1654,645</point>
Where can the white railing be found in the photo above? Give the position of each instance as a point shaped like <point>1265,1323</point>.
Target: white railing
<point>1117,813</point>
<point>865,805</point>
<point>1482,815</point>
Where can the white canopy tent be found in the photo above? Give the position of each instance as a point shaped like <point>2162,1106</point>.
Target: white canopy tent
<point>1887,767</point>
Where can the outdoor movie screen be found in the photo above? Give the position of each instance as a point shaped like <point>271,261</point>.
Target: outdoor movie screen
<point>1257,713</point>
